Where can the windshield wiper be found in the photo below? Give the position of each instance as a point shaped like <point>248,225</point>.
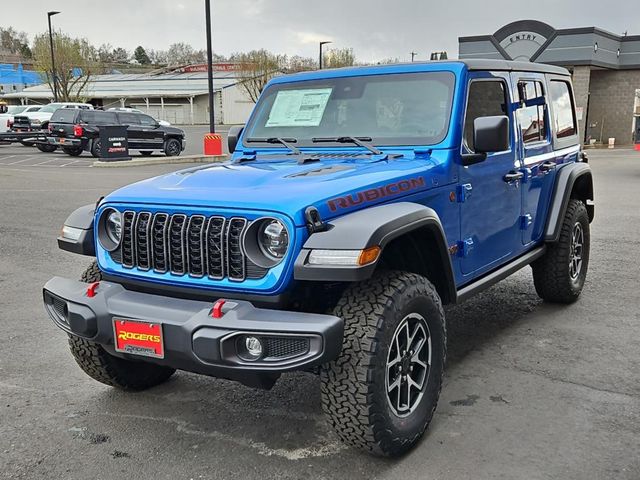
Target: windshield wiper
<point>282,141</point>
<point>364,142</point>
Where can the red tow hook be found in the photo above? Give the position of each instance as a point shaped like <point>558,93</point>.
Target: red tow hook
<point>216,311</point>
<point>91,289</point>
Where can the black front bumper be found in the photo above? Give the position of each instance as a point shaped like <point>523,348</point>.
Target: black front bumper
<point>193,339</point>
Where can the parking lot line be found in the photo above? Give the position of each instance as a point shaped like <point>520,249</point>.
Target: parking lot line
<point>46,161</point>
<point>20,161</point>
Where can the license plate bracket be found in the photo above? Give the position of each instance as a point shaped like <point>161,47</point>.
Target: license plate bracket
<point>138,337</point>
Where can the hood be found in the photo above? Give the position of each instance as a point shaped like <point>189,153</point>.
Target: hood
<point>282,185</point>
<point>36,115</point>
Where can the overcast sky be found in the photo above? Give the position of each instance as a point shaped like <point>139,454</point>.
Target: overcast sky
<point>374,29</point>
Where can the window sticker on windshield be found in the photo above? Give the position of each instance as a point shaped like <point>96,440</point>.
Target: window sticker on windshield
<point>298,108</point>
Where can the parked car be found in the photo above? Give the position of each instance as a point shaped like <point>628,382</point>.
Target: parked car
<point>6,119</point>
<point>39,120</point>
<point>79,130</point>
<point>164,123</point>
<point>357,202</point>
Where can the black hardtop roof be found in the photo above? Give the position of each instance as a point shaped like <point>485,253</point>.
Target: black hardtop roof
<point>512,66</point>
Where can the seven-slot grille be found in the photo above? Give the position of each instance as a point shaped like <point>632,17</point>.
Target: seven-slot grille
<point>194,245</point>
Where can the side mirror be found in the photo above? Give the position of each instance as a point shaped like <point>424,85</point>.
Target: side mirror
<point>233,136</point>
<point>490,134</point>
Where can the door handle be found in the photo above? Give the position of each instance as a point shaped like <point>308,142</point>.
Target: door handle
<point>512,177</point>
<point>547,166</point>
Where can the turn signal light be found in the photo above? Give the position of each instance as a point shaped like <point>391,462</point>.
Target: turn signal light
<point>369,255</point>
<point>77,131</point>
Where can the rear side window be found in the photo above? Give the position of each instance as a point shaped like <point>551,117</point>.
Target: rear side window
<point>563,109</point>
<point>532,118</point>
<point>93,117</point>
<point>129,118</point>
<point>64,115</point>
<point>486,99</point>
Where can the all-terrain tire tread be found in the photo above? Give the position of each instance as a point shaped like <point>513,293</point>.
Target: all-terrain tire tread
<point>551,273</point>
<point>113,371</point>
<point>346,397</point>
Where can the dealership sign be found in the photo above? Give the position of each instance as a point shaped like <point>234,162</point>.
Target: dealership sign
<point>522,45</point>
<point>202,67</point>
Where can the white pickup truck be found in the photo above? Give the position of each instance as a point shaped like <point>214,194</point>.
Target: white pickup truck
<point>6,119</point>
<point>40,119</point>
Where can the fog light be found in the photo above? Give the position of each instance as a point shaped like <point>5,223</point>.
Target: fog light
<point>249,348</point>
<point>253,346</point>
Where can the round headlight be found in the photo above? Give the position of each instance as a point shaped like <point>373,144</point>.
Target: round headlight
<point>114,226</point>
<point>273,239</point>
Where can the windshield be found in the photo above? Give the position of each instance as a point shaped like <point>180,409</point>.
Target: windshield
<point>398,109</point>
<point>16,109</point>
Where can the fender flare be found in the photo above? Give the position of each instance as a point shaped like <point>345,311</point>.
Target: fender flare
<point>370,227</point>
<point>80,219</point>
<point>573,175</point>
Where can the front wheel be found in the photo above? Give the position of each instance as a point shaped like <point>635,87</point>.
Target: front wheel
<point>560,274</point>
<point>172,147</point>
<point>96,362</point>
<point>46,148</point>
<point>381,392</point>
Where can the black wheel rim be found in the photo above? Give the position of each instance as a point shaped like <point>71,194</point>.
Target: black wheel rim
<point>173,148</point>
<point>576,251</point>
<point>408,365</point>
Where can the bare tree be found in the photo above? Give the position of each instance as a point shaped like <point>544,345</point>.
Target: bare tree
<point>75,63</point>
<point>300,64</point>
<point>183,53</point>
<point>256,68</point>
<point>339,57</point>
<point>15,42</point>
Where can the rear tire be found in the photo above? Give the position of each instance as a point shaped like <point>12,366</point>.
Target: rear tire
<point>381,392</point>
<point>560,274</point>
<point>47,148</point>
<point>73,151</point>
<point>172,147</point>
<point>95,148</point>
<point>94,360</point>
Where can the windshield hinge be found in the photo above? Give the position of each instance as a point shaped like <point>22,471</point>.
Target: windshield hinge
<point>314,222</point>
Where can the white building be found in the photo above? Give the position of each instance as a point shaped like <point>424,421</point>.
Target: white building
<point>179,97</point>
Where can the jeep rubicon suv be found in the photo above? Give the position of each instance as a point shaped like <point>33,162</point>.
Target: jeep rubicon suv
<point>355,204</point>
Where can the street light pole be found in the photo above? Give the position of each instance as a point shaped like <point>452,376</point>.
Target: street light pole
<point>53,61</point>
<point>212,122</point>
<point>320,59</point>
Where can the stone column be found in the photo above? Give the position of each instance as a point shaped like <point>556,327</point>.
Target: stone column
<point>581,81</point>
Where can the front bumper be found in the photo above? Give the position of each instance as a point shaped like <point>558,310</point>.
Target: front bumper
<point>193,339</point>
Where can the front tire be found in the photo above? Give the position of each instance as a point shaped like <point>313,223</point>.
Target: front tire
<point>94,360</point>
<point>172,147</point>
<point>381,392</point>
<point>560,274</point>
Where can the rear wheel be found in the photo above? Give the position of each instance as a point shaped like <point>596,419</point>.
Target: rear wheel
<point>94,360</point>
<point>381,392</point>
<point>172,147</point>
<point>560,274</point>
<point>96,148</point>
<point>47,148</point>
<point>73,151</point>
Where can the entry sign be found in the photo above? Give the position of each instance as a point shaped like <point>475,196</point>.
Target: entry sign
<point>114,144</point>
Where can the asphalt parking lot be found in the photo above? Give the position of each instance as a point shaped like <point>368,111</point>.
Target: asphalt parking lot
<point>532,391</point>
<point>17,155</point>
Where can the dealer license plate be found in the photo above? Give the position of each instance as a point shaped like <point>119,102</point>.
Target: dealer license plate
<point>138,338</point>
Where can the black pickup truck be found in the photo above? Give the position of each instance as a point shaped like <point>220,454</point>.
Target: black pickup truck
<point>76,131</point>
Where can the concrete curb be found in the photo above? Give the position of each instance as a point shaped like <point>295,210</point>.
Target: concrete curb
<point>141,162</point>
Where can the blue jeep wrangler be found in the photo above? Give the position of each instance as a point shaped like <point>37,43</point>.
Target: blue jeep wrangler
<point>355,204</point>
